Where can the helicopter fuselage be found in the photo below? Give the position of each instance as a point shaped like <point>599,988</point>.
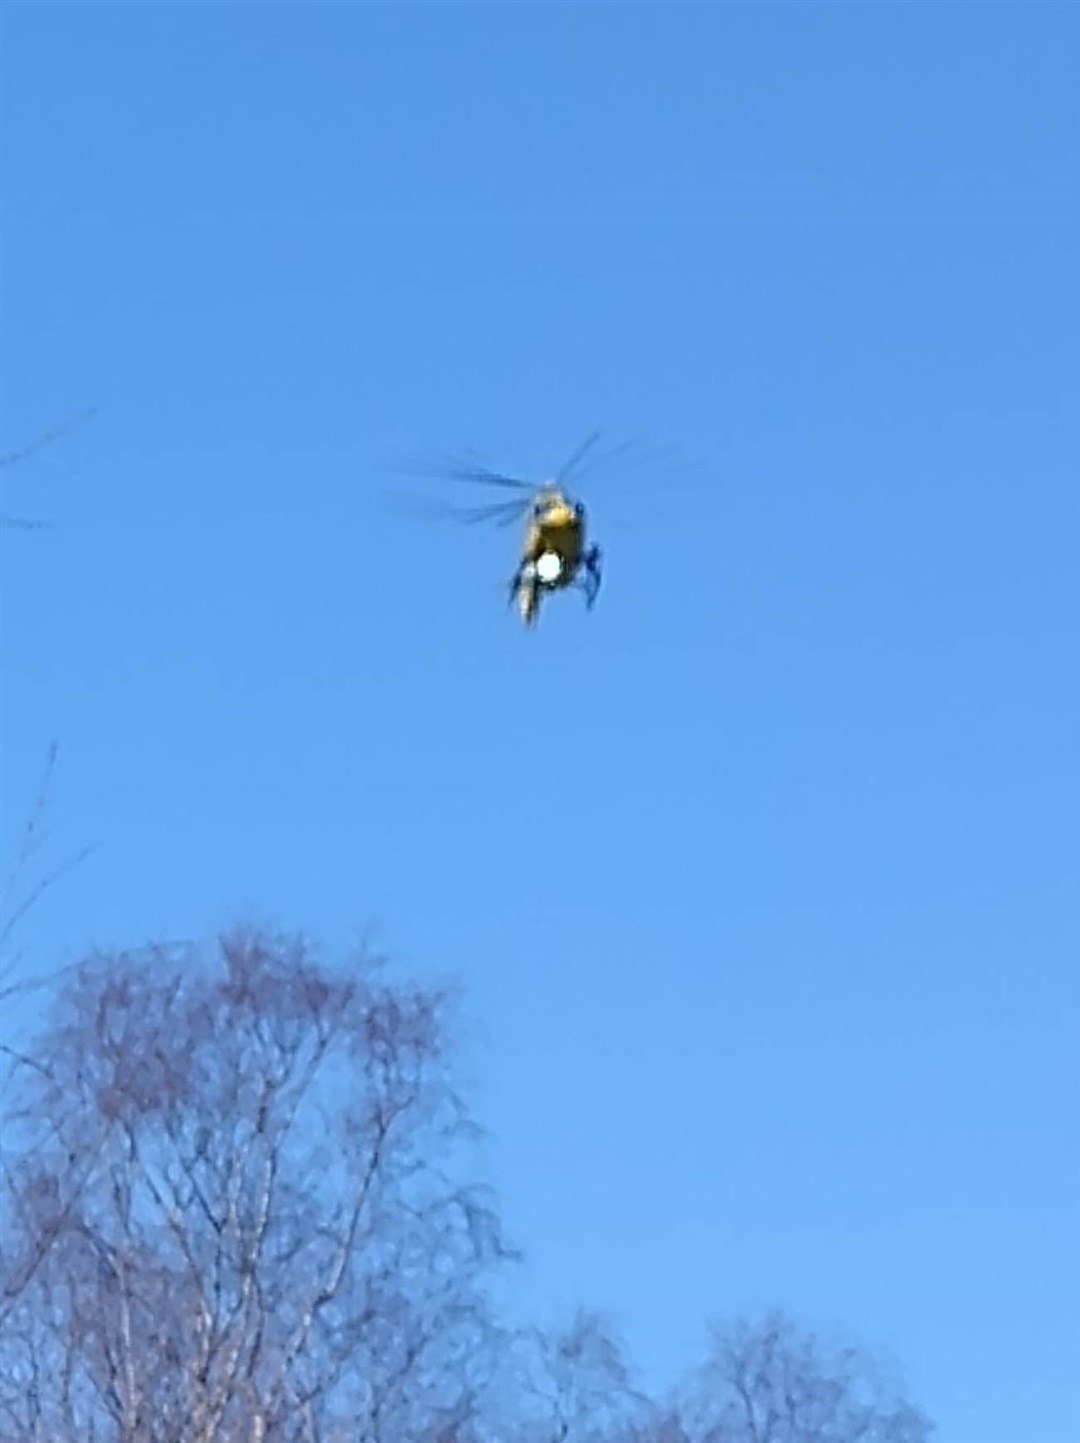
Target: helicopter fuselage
<point>553,553</point>
<point>556,529</point>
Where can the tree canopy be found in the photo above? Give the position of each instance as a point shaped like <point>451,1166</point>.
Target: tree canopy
<point>235,1212</point>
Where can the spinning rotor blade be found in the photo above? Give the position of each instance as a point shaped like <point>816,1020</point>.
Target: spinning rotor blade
<point>574,472</point>
<point>602,460</point>
<point>483,477</point>
<point>473,472</point>
<point>577,457</point>
<point>500,513</point>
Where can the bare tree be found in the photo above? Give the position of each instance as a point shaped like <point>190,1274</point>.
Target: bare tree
<point>15,458</point>
<point>234,1213</point>
<point>570,1385</point>
<point>230,1211</point>
<point>22,889</point>
<point>764,1381</point>
<point>771,1382</point>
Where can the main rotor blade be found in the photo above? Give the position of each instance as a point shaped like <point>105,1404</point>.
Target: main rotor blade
<point>472,472</point>
<point>577,457</point>
<point>501,513</point>
<point>492,478</point>
<point>605,456</point>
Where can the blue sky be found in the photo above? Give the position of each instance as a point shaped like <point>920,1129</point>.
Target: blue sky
<point>762,877</point>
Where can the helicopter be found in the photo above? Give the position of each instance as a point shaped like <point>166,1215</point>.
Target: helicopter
<point>555,553</point>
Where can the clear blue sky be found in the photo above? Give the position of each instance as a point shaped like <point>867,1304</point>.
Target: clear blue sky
<point>762,878</point>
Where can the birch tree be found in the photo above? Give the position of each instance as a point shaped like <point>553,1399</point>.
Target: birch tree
<point>232,1216</point>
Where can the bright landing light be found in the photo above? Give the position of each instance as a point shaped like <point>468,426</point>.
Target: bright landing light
<point>548,567</point>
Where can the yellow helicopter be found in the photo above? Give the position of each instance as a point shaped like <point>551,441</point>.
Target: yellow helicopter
<point>554,552</point>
